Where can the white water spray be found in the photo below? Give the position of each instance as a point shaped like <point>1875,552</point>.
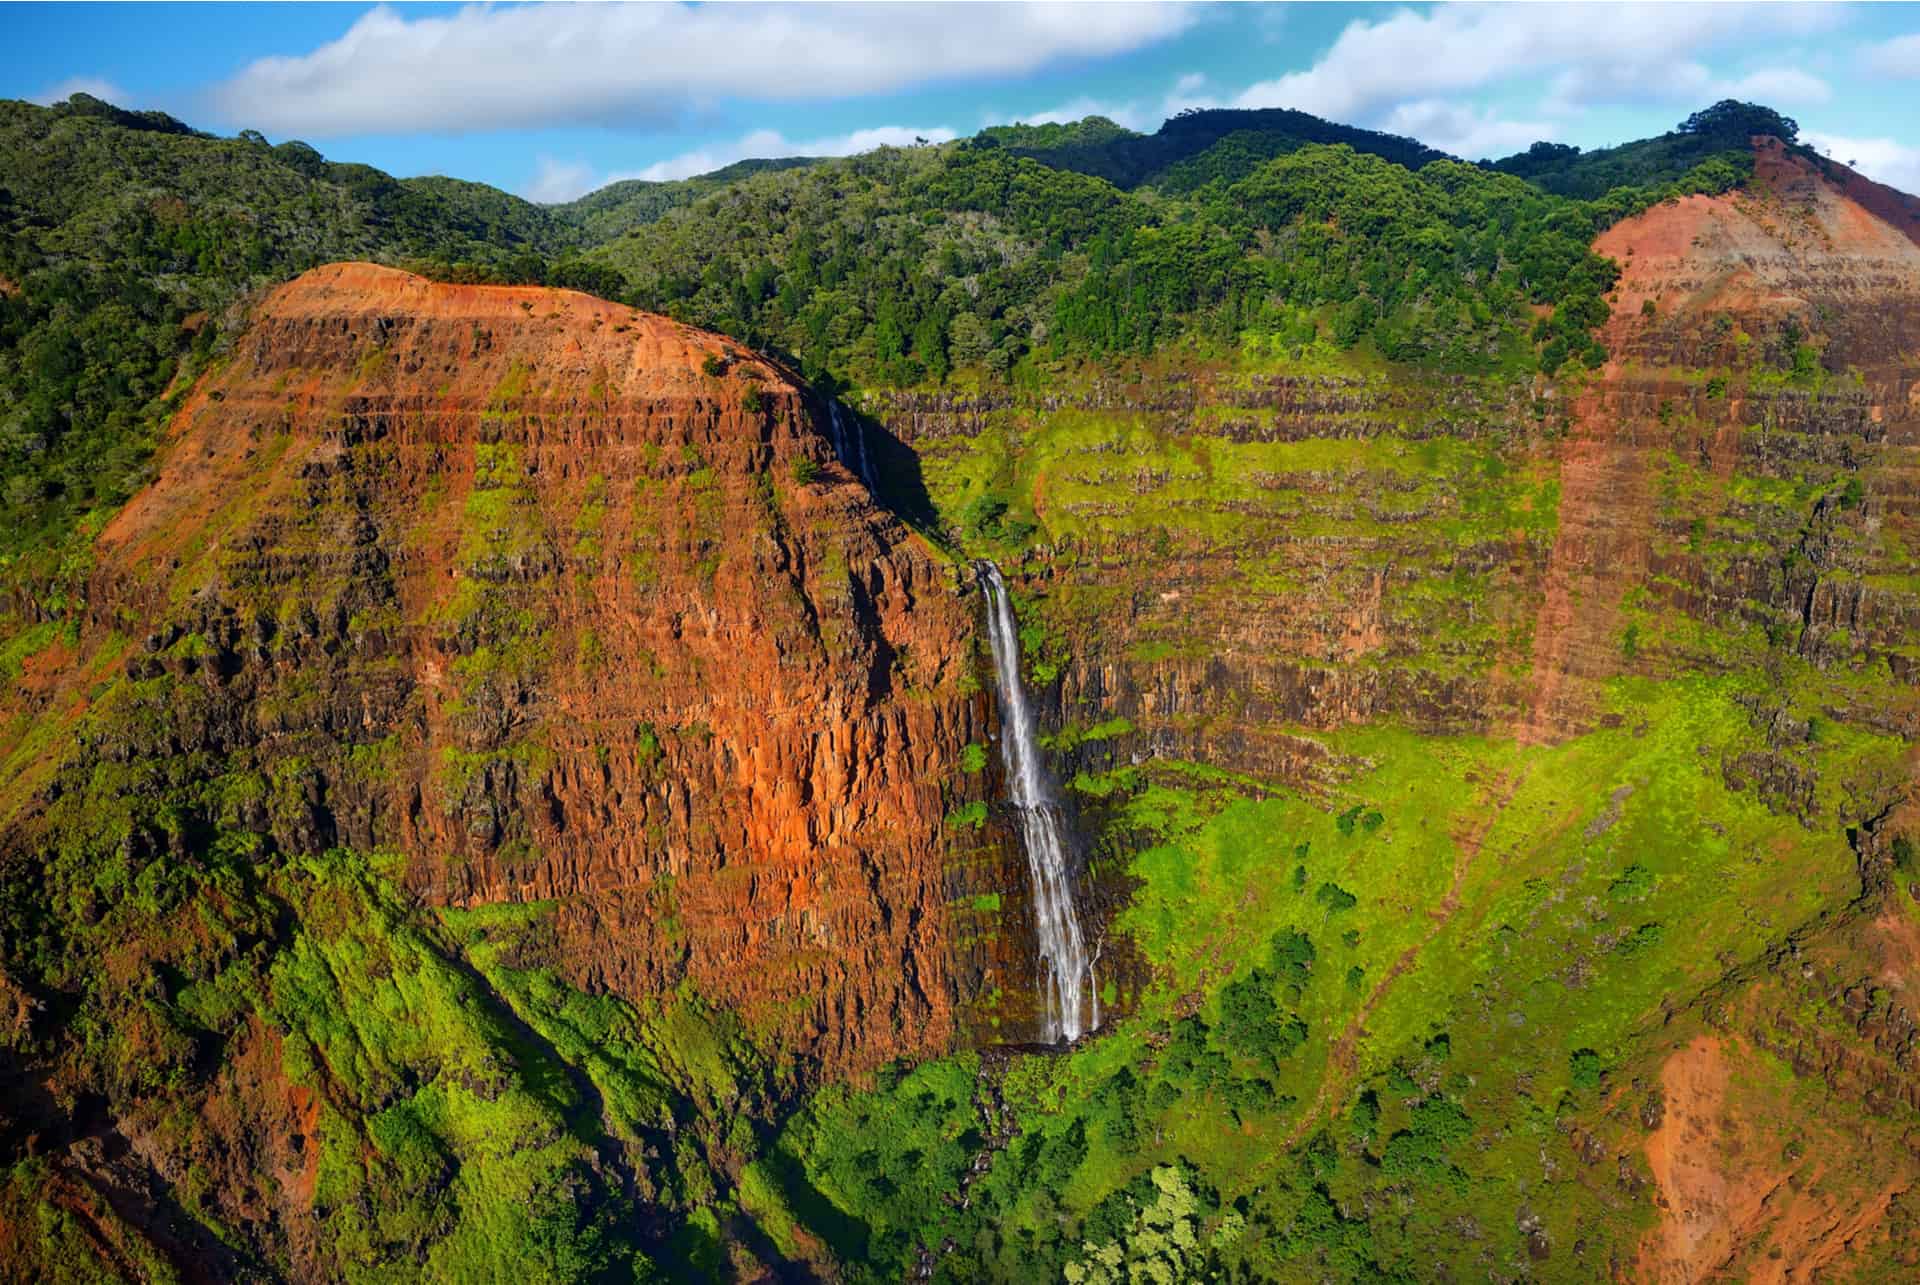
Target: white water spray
<point>1067,983</point>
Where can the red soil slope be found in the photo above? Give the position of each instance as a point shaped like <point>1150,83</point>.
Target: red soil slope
<point>1820,250</point>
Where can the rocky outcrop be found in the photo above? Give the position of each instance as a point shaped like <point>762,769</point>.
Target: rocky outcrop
<point>569,604</point>
<point>1770,335</point>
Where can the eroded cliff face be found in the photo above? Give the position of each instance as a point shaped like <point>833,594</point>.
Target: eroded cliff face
<point>1564,711</point>
<point>1240,551</point>
<point>1297,578</point>
<point>564,604</point>
<point>1762,340</point>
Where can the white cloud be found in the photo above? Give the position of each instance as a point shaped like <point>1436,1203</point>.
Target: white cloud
<point>482,67</point>
<point>98,86</point>
<point>1897,57</point>
<point>1881,159</point>
<point>1191,90</point>
<point>1679,80</point>
<point>1128,115</point>
<point>557,180</point>
<point>1454,48</point>
<point>1664,80</point>
<point>1779,86</point>
<point>1463,130</point>
<point>772,143</point>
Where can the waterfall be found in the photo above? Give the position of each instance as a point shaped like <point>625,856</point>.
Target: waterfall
<point>1067,984</point>
<point>856,459</point>
<point>839,437</point>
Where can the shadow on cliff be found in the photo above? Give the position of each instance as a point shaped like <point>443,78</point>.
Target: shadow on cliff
<point>846,1235</point>
<point>899,484</point>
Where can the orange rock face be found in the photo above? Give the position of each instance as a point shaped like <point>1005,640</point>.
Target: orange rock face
<point>568,603</point>
<point>1808,255</point>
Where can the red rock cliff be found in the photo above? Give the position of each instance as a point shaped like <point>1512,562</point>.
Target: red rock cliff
<point>1812,263</point>
<point>569,603</point>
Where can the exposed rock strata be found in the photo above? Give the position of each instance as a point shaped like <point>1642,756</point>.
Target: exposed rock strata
<point>513,582</point>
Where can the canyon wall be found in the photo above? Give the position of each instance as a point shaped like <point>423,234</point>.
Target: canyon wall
<point>1238,551</point>
<point>1256,579</point>
<point>572,605</point>
<point>567,619</point>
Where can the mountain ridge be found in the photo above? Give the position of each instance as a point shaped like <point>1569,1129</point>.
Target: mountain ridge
<point>505,791</point>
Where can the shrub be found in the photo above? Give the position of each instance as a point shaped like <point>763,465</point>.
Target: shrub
<point>1634,884</point>
<point>1293,956</point>
<point>1335,898</point>
<point>984,513</point>
<point>1251,1020</point>
<point>1641,938</point>
<point>1420,1150</point>
<point>968,815</point>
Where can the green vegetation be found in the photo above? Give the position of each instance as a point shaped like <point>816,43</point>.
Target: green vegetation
<point>128,236</point>
<point>1380,978</point>
<point>1194,147</point>
<point>1203,1135</point>
<point>901,266</point>
<point>1715,137</point>
<point>125,241</point>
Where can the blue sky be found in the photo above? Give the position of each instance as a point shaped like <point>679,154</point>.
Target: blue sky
<point>550,101</point>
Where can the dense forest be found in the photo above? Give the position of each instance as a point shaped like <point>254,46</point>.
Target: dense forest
<point>1267,1110</point>
<point>129,243</point>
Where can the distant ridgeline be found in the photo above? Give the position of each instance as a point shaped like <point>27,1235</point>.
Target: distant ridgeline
<point>513,798</point>
<point>128,237</point>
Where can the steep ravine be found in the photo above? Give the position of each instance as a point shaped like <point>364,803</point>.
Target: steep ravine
<point>501,649</point>
<point>1068,978</point>
<point>1256,580</point>
<point>600,643</point>
<point>481,657</point>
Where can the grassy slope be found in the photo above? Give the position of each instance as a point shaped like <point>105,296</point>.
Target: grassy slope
<point>1501,901</point>
<point>1532,927</point>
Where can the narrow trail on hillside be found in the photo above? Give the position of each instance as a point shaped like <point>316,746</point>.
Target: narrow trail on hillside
<point>1342,1058</point>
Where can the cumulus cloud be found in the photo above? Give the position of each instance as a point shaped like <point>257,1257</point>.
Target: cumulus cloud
<point>1779,86</point>
<point>1455,48</point>
<point>1897,57</point>
<point>1142,115</point>
<point>1191,90</point>
<point>1682,81</point>
<point>1130,115</point>
<point>1463,130</point>
<point>1881,159</point>
<point>556,180</point>
<point>98,86</point>
<point>482,68</point>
